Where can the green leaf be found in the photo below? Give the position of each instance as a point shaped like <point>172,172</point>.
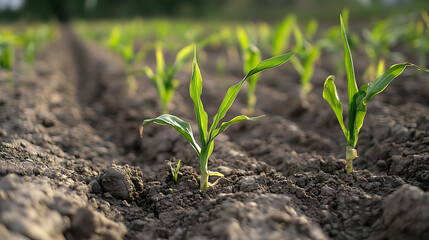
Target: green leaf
<point>195,90</point>
<point>185,53</point>
<point>181,126</point>
<point>148,72</point>
<point>281,38</point>
<point>160,63</point>
<point>357,112</point>
<point>252,58</point>
<point>269,63</point>
<point>182,56</point>
<point>242,39</point>
<point>232,92</point>
<point>237,119</point>
<point>309,65</point>
<point>384,80</point>
<point>6,56</point>
<point>299,39</point>
<point>178,167</point>
<point>114,38</point>
<point>351,79</point>
<point>330,94</point>
<point>311,29</point>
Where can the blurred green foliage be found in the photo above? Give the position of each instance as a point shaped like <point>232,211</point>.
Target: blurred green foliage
<point>268,10</point>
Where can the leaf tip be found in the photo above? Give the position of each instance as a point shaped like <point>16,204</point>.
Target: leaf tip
<point>141,131</point>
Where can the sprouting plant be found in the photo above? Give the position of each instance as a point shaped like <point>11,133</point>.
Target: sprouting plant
<point>7,55</point>
<point>207,135</point>
<point>175,171</point>
<point>357,99</point>
<point>251,57</point>
<point>32,40</point>
<point>307,55</point>
<point>164,77</point>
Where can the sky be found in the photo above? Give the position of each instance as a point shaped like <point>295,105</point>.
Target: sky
<point>11,4</point>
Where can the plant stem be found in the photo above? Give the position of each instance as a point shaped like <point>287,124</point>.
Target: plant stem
<point>351,154</point>
<point>204,181</point>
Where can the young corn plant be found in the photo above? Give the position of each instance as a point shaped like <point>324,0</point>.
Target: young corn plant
<point>175,171</point>
<point>122,42</point>
<point>7,55</point>
<point>307,55</point>
<point>207,135</point>
<point>164,78</point>
<point>251,57</point>
<point>32,40</point>
<point>357,98</point>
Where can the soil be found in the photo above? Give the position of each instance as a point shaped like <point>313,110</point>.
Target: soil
<point>73,166</point>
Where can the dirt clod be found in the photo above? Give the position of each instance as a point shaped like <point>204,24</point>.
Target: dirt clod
<point>123,182</point>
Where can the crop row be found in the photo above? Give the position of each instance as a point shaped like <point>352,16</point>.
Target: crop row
<point>132,45</point>
<point>30,39</point>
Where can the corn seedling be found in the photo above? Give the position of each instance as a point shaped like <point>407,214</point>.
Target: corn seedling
<point>251,57</point>
<point>32,40</point>
<point>207,135</point>
<point>175,171</point>
<point>357,99</point>
<point>307,55</point>
<point>7,55</point>
<point>164,77</point>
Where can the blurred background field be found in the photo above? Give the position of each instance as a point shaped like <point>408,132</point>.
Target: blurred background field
<point>265,10</point>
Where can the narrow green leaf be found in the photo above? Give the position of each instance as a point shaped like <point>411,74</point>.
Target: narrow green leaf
<point>237,119</point>
<point>6,56</point>
<point>270,63</point>
<point>242,39</point>
<point>181,126</point>
<point>148,72</point>
<point>384,80</point>
<point>357,112</point>
<point>160,63</point>
<point>185,53</point>
<point>282,35</point>
<point>195,90</point>
<point>309,65</point>
<point>299,39</point>
<point>178,167</point>
<point>351,79</point>
<point>252,58</point>
<point>380,68</point>
<point>311,29</point>
<point>232,92</point>
<point>330,94</point>
<point>182,56</point>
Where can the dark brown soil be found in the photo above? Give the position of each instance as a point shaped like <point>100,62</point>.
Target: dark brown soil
<point>73,166</point>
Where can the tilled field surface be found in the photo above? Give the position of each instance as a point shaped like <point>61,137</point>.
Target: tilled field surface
<point>73,166</point>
